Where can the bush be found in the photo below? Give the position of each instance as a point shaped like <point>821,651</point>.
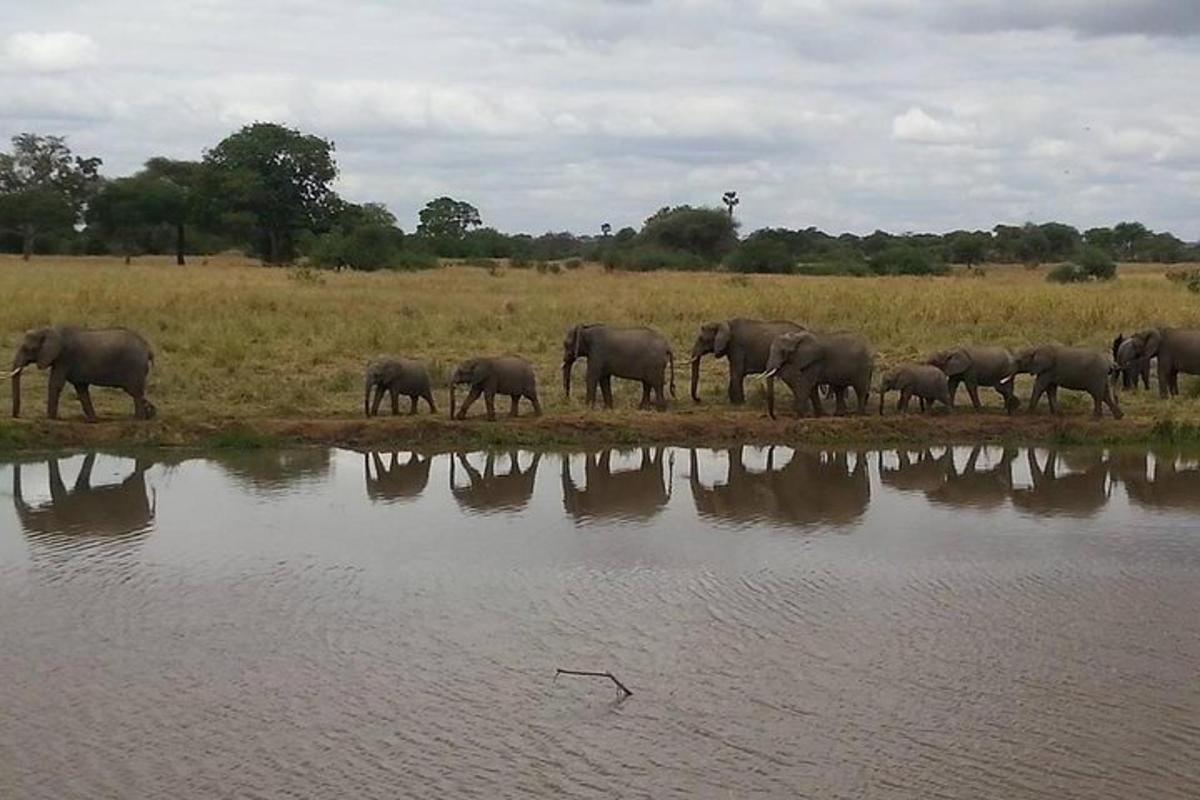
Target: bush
<point>906,260</point>
<point>408,259</point>
<point>1189,278</point>
<point>1090,264</point>
<point>1067,273</point>
<point>707,234</point>
<point>573,263</point>
<point>647,257</point>
<point>760,254</point>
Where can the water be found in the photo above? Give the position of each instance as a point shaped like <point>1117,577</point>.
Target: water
<point>953,623</point>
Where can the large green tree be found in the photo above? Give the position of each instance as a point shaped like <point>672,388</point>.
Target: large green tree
<point>279,176</point>
<point>44,187</point>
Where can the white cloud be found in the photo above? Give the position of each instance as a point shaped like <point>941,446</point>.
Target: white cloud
<point>56,51</point>
<point>915,125</point>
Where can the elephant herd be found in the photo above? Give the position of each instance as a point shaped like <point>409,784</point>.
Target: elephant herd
<point>814,365</point>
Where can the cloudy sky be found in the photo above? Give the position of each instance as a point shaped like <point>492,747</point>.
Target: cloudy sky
<point>562,114</point>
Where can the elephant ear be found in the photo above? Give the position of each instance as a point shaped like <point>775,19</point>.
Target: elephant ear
<point>1043,359</point>
<point>803,350</point>
<point>480,370</point>
<point>1151,340</point>
<point>1116,345</point>
<point>958,362</point>
<point>721,340</point>
<point>50,349</point>
<point>576,340</point>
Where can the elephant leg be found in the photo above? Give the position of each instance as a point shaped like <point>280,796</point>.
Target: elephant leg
<point>840,396</point>
<point>1039,387</point>
<point>412,404</point>
<point>516,398</point>
<point>737,384</point>
<point>533,400</point>
<point>89,412</point>
<point>902,403</point>
<point>661,402</point>
<point>1097,404</point>
<point>973,390</point>
<point>645,396</point>
<point>429,399</point>
<point>814,400</point>
<point>489,400</point>
<point>379,392</point>
<point>58,379</point>
<point>1164,379</point>
<point>1174,382</point>
<point>606,391</point>
<point>1005,391</point>
<point>1114,405</point>
<point>471,397</point>
<point>1052,399</point>
<point>953,386</point>
<point>394,395</point>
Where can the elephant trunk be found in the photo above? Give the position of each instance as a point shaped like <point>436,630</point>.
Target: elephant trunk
<point>15,375</point>
<point>882,394</point>
<point>695,378</point>
<point>566,377</point>
<point>453,390</point>
<point>367,399</point>
<point>771,396</point>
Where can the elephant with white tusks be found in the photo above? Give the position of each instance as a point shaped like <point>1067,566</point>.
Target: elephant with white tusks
<point>806,360</point>
<point>85,357</point>
<point>637,354</point>
<point>744,343</point>
<point>1078,368</point>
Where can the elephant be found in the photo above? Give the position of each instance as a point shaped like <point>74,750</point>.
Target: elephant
<point>1079,494</point>
<point>1131,368</point>
<point>1076,368</point>
<point>806,360</point>
<point>812,488</point>
<point>1168,486</point>
<point>926,382</point>
<point>639,354</point>
<point>489,491</point>
<point>122,509</point>
<point>746,343</point>
<point>492,375</point>
<point>975,487</point>
<point>633,493</point>
<point>113,357</point>
<point>396,480</point>
<point>925,473</point>
<point>1176,349</point>
<point>975,367</point>
<point>397,376</point>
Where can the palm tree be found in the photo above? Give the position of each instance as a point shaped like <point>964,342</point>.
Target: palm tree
<point>730,199</point>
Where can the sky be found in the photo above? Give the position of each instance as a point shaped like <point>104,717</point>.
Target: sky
<point>850,115</point>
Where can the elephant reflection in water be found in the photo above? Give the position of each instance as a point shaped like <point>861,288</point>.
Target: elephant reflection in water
<point>1083,492</point>
<point>276,470</point>
<point>490,490</point>
<point>812,488</point>
<point>1167,487</point>
<point>116,510</point>
<point>396,480</point>
<point>975,487</point>
<point>624,493</point>
<point>925,473</point>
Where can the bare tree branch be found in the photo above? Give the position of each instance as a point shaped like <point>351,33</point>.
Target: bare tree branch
<point>624,689</point>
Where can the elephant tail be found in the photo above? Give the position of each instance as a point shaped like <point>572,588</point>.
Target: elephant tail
<point>671,365</point>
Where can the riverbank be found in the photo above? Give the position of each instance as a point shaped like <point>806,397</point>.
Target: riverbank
<point>714,427</point>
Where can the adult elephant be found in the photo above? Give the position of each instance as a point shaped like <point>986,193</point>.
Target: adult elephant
<point>745,343</point>
<point>805,360</point>
<point>975,367</point>
<point>1124,352</point>
<point>1176,349</point>
<point>1078,368</point>
<point>84,357</point>
<point>638,354</point>
<point>1079,493</point>
<point>115,510</point>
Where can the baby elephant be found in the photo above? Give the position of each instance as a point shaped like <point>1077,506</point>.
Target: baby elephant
<point>397,376</point>
<point>510,375</point>
<point>923,381</point>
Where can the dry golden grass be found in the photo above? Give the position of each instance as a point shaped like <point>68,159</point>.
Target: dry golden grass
<point>234,340</point>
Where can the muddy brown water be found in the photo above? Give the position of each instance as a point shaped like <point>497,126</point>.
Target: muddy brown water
<point>959,623</point>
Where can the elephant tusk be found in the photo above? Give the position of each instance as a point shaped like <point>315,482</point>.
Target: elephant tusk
<point>766,375</point>
<point>1009,379</point>
<point>15,372</point>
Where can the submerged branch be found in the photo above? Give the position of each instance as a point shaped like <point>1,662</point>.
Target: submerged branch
<point>624,689</point>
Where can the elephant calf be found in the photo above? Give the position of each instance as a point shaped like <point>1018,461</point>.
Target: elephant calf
<point>1078,368</point>
<point>1176,349</point>
<point>397,376</point>
<point>923,381</point>
<point>489,376</point>
<point>975,367</point>
<point>84,357</point>
<point>1131,368</point>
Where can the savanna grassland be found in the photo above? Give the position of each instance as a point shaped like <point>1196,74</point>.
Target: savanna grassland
<point>246,353</point>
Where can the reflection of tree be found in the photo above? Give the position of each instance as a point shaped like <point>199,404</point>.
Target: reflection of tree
<point>492,491</point>
<point>1080,493</point>
<point>275,470</point>
<point>639,493</point>
<point>980,488</point>
<point>396,481</point>
<point>812,488</point>
<point>122,509</point>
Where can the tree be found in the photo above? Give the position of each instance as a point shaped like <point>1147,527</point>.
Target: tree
<point>761,252</point>
<point>43,187</point>
<point>1061,240</point>
<point>447,219</point>
<point>708,233</point>
<point>968,247</point>
<point>279,176</point>
<point>605,230</point>
<point>177,198</point>
<point>730,199</point>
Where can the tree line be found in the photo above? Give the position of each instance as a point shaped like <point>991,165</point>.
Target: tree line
<point>267,190</point>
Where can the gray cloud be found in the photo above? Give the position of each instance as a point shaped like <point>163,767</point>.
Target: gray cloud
<point>559,114</point>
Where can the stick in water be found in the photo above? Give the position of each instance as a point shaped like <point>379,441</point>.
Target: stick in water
<point>584,673</point>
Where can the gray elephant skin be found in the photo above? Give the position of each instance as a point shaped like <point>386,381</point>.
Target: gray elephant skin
<point>114,510</point>
<point>397,481</point>
<point>637,493</point>
<point>396,376</point>
<point>84,357</point>
<point>637,354</point>
<point>744,343</point>
<point>1131,368</point>
<point>493,375</point>
<point>1177,351</point>
<point>806,360</point>
<point>923,381</point>
<point>1077,368</point>
<point>975,367</point>
<point>492,490</point>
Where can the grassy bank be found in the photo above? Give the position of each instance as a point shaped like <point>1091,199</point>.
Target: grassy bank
<point>251,354</point>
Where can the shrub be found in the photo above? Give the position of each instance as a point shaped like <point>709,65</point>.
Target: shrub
<point>647,257</point>
<point>519,262</point>
<point>1090,264</point>
<point>573,263</point>
<point>1067,273</point>
<point>407,259</point>
<point>906,260</point>
<point>760,254</point>
<point>707,234</point>
<point>478,261</point>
